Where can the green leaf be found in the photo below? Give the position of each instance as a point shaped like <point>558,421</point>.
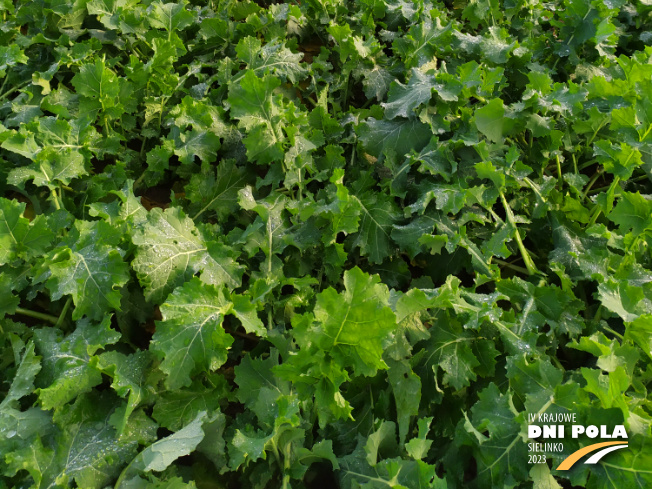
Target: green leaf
<point>399,135</point>
<point>60,151</point>
<point>129,373</point>
<point>626,467</point>
<point>18,236</point>
<point>353,325</point>
<point>171,250</point>
<point>176,408</point>
<point>69,367</point>
<point>200,143</point>
<point>418,447</point>
<point>10,56</point>
<point>158,456</point>
<point>489,120</point>
<point>23,382</point>
<point>152,482</point>
<point>403,99</point>
<point>86,448</point>
<point>273,58</point>
<point>533,382</point>
<point>406,387</point>
<point>633,212</point>
<point>502,456</point>
<point>451,349</point>
<point>191,338</point>
<point>377,217</point>
<point>259,389</point>
<point>216,190</point>
<point>620,161</point>
<point>251,100</point>
<point>96,81</point>
<point>357,472</point>
<point>640,331</point>
<point>92,270</point>
<point>542,478</point>
<point>169,16</point>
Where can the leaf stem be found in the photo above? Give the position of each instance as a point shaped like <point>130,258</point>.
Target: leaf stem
<point>346,91</point>
<point>64,311</point>
<point>586,164</point>
<point>14,89</point>
<point>37,315</point>
<point>286,466</point>
<point>598,314</point>
<point>527,259</point>
<point>139,179</point>
<point>510,265</point>
<point>53,192</point>
<point>602,189</point>
<point>598,211</point>
<point>574,163</point>
<point>560,179</point>
<point>607,328</point>
<point>591,183</point>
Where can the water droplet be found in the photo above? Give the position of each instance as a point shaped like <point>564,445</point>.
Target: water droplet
<point>564,51</point>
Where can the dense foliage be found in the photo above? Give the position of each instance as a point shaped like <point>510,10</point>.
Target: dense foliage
<point>323,243</point>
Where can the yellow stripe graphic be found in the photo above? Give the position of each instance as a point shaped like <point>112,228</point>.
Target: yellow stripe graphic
<point>575,456</point>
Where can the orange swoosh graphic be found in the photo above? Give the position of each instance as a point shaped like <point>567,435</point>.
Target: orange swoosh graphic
<point>575,456</point>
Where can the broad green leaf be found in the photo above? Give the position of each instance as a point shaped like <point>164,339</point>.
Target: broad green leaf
<point>489,120</point>
<point>406,387</point>
<point>399,135</point>
<point>418,447</point>
<point>640,331</point>
<point>356,471</point>
<point>633,212</point>
<point>170,16</point>
<point>502,456</point>
<point>69,367</point>
<point>23,382</point>
<point>627,467</point>
<point>200,143</point>
<point>159,455</point>
<point>60,151</point>
<point>403,99</point>
<point>581,255</point>
<point>177,408</point>
<point>171,250</point>
<point>542,478</point>
<point>274,58</point>
<point>251,100</point>
<point>10,56</point>
<point>354,325</point>
<point>377,217</point>
<point>96,81</point>
<point>191,338</point>
<point>152,482</point>
<point>533,382</point>
<point>420,43</point>
<point>620,161</point>
<point>259,389</point>
<point>89,267</point>
<point>216,190</point>
<point>129,373</point>
<point>86,448</point>
<point>453,350</point>
<point>18,236</point>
